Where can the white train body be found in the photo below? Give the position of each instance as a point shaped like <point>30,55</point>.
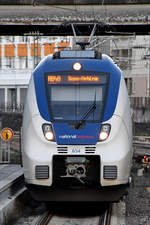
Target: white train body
<point>79,163</point>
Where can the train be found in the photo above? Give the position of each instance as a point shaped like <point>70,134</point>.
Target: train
<point>77,129</point>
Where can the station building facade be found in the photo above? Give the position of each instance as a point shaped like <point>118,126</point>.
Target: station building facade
<point>132,54</point>
<point>18,57</point>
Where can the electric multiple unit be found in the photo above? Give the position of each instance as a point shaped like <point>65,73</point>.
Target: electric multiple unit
<point>77,130</point>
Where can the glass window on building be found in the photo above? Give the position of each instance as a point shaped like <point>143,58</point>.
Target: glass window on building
<point>23,62</point>
<point>115,52</point>
<point>10,62</point>
<point>12,98</point>
<point>2,98</point>
<point>122,53</point>
<point>126,53</point>
<point>0,55</point>
<point>36,60</point>
<point>129,83</point>
<point>23,38</point>
<point>23,92</point>
<point>10,39</point>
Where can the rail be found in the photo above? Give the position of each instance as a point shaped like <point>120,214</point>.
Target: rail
<point>108,215</point>
<point>105,219</point>
<point>48,218</point>
<point>43,219</point>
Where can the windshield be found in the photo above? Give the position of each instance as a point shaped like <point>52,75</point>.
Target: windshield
<point>73,102</point>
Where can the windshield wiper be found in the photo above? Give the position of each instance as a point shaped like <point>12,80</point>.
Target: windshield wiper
<point>86,114</point>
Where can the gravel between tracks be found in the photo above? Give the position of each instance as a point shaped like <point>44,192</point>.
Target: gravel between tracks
<point>138,199</point>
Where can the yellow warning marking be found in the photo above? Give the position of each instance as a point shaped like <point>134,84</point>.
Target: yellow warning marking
<point>7,134</point>
<point>148,188</point>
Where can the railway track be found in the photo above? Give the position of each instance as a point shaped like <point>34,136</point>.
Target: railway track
<point>43,219</point>
<point>48,218</point>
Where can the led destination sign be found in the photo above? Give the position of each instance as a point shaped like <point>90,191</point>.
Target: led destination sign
<point>53,79</point>
<point>57,79</point>
<point>87,78</point>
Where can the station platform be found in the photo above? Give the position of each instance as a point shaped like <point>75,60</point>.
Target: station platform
<point>12,190</point>
<point>9,174</point>
<point>6,170</point>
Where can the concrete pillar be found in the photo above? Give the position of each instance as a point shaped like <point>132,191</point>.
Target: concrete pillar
<point>30,58</point>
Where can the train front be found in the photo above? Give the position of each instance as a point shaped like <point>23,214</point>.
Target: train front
<point>76,135</point>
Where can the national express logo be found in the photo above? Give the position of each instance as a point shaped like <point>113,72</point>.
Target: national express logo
<point>75,136</point>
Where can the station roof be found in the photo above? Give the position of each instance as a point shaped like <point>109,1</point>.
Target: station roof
<point>66,30</point>
<point>56,20</point>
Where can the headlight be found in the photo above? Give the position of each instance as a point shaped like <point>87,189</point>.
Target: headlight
<point>48,132</point>
<point>77,66</point>
<point>104,132</point>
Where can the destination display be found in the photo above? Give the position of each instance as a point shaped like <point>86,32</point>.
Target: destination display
<point>76,79</point>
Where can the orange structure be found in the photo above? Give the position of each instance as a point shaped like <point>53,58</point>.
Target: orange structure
<point>35,49</point>
<point>9,50</point>
<point>22,50</point>
<point>49,48</point>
